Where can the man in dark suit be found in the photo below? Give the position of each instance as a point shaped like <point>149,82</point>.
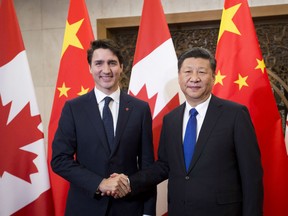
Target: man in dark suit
<point>87,156</point>
<point>224,176</point>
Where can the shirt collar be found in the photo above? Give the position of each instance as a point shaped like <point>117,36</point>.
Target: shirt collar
<point>201,108</point>
<point>100,95</point>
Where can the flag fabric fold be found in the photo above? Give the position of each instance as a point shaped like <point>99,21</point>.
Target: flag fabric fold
<point>241,76</point>
<point>154,75</point>
<point>74,79</point>
<point>24,181</point>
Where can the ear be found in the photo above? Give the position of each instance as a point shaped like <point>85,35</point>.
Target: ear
<point>90,69</point>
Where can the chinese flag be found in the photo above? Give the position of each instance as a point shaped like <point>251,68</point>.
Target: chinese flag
<point>286,133</point>
<point>154,75</point>
<point>24,181</point>
<point>241,76</point>
<point>74,79</point>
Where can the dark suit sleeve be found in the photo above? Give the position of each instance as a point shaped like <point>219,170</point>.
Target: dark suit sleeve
<point>249,162</point>
<point>63,151</point>
<point>146,158</point>
<point>154,174</point>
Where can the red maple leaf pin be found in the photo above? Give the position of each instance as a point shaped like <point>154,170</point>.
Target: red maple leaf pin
<point>21,131</point>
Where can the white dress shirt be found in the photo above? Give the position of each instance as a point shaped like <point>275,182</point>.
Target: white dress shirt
<point>113,105</point>
<point>201,109</point>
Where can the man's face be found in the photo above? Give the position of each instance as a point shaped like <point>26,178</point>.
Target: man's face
<point>196,80</point>
<point>105,69</point>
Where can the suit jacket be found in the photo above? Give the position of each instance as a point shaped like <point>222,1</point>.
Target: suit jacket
<point>225,175</point>
<point>81,133</point>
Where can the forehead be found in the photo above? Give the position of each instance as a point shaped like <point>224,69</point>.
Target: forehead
<point>196,62</point>
<point>104,54</point>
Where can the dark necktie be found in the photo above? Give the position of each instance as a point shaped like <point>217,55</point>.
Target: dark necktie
<point>190,137</point>
<point>108,122</point>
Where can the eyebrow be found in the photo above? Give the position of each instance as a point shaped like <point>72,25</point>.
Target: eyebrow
<point>109,61</point>
<point>112,61</point>
<point>191,67</point>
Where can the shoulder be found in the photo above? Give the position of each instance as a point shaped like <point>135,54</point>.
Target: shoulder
<point>80,100</point>
<point>176,112</point>
<point>132,99</point>
<point>226,103</point>
<point>228,107</point>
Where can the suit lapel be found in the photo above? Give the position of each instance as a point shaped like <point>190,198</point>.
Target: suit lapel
<point>212,114</point>
<point>178,128</point>
<point>94,116</point>
<point>125,108</point>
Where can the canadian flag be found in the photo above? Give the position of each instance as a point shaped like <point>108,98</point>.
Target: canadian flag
<point>154,75</point>
<point>24,181</point>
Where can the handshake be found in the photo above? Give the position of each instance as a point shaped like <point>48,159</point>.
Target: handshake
<point>117,185</point>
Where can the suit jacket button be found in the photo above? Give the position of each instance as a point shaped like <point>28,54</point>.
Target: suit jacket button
<point>187,177</point>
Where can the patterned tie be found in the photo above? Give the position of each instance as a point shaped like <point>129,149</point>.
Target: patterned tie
<point>108,122</point>
<point>190,137</point>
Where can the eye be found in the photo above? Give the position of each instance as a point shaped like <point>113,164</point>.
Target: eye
<point>98,63</point>
<point>112,63</point>
<point>202,72</point>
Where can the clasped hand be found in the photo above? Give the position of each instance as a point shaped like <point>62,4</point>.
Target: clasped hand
<point>117,185</point>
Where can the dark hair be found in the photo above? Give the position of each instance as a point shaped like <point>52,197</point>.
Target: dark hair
<point>197,52</point>
<point>104,44</point>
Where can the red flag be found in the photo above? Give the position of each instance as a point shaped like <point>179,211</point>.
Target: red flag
<point>286,134</point>
<point>241,76</point>
<point>154,75</point>
<point>25,187</point>
<point>74,79</point>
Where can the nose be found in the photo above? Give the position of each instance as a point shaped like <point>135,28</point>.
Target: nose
<point>194,77</point>
<point>106,68</point>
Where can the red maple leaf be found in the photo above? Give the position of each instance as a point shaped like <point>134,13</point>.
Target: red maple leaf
<point>21,131</point>
<point>157,121</point>
<point>143,95</point>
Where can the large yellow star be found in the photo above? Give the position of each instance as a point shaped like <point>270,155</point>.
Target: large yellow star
<point>83,91</point>
<point>63,90</point>
<point>227,23</point>
<point>261,65</point>
<point>70,37</point>
<point>219,78</point>
<point>241,81</point>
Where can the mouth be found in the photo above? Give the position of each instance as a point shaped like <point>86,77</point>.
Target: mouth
<point>106,78</point>
<point>194,87</point>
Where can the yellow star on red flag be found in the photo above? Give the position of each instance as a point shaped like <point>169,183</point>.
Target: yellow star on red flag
<point>219,78</point>
<point>227,23</point>
<point>63,90</point>
<point>83,91</point>
<point>70,36</point>
<point>241,81</point>
<point>260,65</point>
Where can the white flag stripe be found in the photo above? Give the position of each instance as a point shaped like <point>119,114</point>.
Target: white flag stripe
<point>159,72</point>
<point>16,85</point>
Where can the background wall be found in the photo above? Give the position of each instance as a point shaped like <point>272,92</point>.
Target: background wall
<point>42,24</point>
